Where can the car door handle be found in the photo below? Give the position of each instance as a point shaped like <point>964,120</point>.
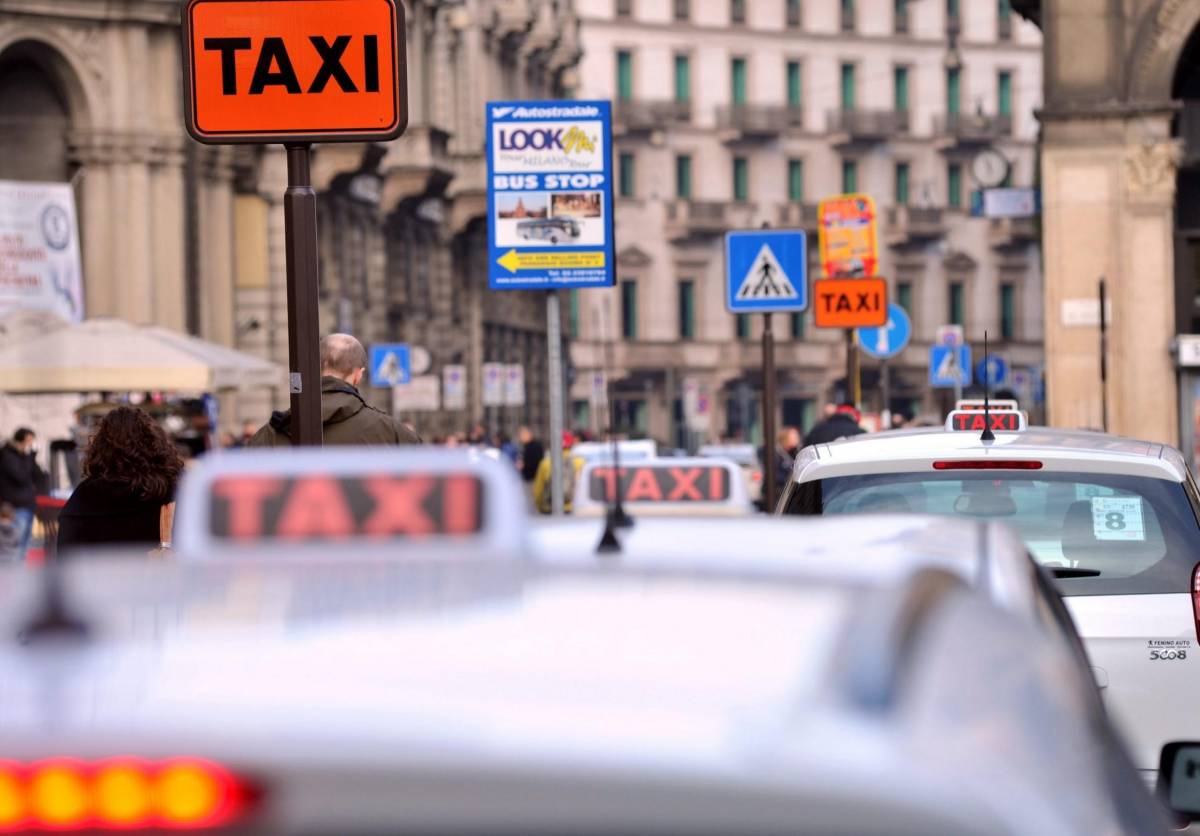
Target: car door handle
<point>1101,676</point>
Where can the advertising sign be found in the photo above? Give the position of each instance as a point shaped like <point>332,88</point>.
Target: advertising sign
<point>493,384</point>
<point>514,385</point>
<point>39,249</point>
<point>850,303</point>
<point>421,394</point>
<point>294,70</point>
<point>766,270</point>
<point>550,203</point>
<point>454,387</point>
<point>847,234</point>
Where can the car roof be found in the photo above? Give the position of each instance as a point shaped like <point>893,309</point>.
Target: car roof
<point>1060,450</point>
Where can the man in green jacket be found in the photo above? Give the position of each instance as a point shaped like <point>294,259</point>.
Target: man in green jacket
<point>345,417</point>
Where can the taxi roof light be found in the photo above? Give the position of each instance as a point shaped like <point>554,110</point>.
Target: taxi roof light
<point>988,464</point>
<point>119,794</point>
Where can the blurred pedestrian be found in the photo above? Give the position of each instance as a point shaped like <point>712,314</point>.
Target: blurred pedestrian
<point>10,535</point>
<point>787,445</point>
<point>531,454</point>
<point>572,464</point>
<point>508,449</point>
<point>843,423</point>
<point>130,470</point>
<point>345,417</point>
<point>20,481</point>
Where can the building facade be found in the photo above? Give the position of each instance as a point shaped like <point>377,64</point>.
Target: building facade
<point>192,237</point>
<point>732,114</point>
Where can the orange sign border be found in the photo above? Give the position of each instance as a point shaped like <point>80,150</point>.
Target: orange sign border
<point>881,319</point>
<point>400,101</point>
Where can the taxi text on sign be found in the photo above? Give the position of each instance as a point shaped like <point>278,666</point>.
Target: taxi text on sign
<point>850,303</point>
<point>294,71</point>
<point>847,236</point>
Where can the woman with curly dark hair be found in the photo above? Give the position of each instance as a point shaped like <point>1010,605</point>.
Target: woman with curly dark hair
<point>130,470</point>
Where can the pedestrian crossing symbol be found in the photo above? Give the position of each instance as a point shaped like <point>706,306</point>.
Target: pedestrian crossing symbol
<point>390,365</point>
<point>766,270</point>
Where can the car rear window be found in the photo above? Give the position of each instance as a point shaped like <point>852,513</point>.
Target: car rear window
<point>1139,534</point>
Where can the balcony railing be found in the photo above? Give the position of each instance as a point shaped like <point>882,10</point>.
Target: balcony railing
<point>759,120</point>
<point>687,218</point>
<point>973,127</point>
<point>915,223</point>
<point>868,124</point>
<point>1012,232</point>
<point>644,115</point>
<point>798,216</point>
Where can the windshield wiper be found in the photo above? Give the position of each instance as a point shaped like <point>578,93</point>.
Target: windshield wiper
<point>1074,572</point>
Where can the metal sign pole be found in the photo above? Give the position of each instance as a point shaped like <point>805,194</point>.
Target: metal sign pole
<point>768,408</point>
<point>300,233</point>
<point>853,376</point>
<point>1103,361</point>
<point>885,413</point>
<point>554,369</point>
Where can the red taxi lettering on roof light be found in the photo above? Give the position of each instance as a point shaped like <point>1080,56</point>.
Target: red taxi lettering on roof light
<point>1006,421</point>
<point>685,484</point>
<point>988,464</point>
<point>398,506</point>
<point>662,483</point>
<point>244,497</point>
<point>643,486</point>
<point>316,507</point>
<point>716,484</point>
<point>460,500</point>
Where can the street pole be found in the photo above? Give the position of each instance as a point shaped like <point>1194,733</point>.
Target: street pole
<point>304,360</point>
<point>1103,361</point>
<point>768,407</point>
<point>554,370</point>
<point>885,414</point>
<point>853,375</point>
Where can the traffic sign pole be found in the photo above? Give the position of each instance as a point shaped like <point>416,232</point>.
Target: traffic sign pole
<point>304,330</point>
<point>554,370</point>
<point>768,407</point>
<point>885,414</point>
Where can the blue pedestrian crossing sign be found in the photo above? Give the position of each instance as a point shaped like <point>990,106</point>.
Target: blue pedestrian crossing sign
<point>949,366</point>
<point>389,365</point>
<point>889,339</point>
<point>766,270</point>
<point>992,370</point>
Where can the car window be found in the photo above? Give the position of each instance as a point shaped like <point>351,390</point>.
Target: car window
<point>1138,535</point>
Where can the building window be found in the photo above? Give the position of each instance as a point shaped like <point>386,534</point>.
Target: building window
<point>687,309</point>
<point>847,15</point>
<point>626,174</point>
<point>848,91</point>
<point>900,16</point>
<point>901,184</point>
<point>849,176</point>
<point>741,178</point>
<point>1004,93</point>
<point>793,13</point>
<point>794,88</point>
<point>900,89</point>
<point>573,313</point>
<point>955,312</point>
<point>1008,312</point>
<point>683,9</point>
<point>743,326</point>
<point>624,8</point>
<point>624,75</point>
<point>797,326</point>
<point>953,90</point>
<point>953,21</point>
<point>683,78</point>
<point>737,81</point>
<point>795,181</point>
<point>904,297</point>
<point>737,11</point>
<point>1004,19</point>
<point>683,176</point>
<point>954,186</point>
<point>629,328</point>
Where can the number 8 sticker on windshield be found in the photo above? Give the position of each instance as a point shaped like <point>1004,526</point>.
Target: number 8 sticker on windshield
<point>1117,518</point>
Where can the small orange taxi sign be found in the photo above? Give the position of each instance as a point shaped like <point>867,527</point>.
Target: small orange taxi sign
<point>294,71</point>
<point>1005,420</point>
<point>849,303</point>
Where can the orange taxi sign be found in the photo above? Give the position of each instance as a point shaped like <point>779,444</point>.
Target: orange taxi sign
<point>1005,420</point>
<point>294,71</point>
<point>849,303</point>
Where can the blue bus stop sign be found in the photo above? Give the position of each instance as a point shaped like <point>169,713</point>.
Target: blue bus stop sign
<point>889,339</point>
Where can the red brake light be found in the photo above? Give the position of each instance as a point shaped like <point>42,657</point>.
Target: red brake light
<point>988,464</point>
<point>1196,599</point>
<point>121,794</point>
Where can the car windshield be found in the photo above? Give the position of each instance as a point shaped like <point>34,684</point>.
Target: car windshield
<point>1122,534</point>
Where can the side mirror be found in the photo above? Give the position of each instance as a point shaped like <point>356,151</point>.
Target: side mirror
<point>1179,779</point>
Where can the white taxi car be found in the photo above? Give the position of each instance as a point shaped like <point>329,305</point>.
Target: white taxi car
<point>1114,519</point>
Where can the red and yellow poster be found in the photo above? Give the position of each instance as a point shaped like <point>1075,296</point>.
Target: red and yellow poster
<point>848,236</point>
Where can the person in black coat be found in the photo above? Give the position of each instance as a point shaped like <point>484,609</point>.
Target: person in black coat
<point>130,470</point>
<point>843,423</point>
<point>20,481</point>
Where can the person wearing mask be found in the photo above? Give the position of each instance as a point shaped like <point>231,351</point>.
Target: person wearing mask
<point>843,423</point>
<point>345,417</point>
<point>130,471</point>
<point>20,481</point>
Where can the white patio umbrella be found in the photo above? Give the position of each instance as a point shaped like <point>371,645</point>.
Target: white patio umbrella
<point>110,355</point>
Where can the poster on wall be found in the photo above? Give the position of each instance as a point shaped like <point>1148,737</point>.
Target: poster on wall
<point>39,249</point>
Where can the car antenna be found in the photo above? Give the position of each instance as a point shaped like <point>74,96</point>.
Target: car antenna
<point>614,516</point>
<point>988,435</point>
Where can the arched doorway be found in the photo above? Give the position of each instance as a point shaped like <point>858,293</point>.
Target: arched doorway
<point>35,116</point>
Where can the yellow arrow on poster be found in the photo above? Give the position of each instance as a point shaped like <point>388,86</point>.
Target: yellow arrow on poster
<point>512,261</point>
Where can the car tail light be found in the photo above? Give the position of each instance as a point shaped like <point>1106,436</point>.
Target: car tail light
<point>756,476</point>
<point>988,464</point>
<point>1196,599</point>
<point>120,794</point>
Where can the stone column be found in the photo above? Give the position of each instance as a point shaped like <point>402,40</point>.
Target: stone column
<point>216,245</point>
<point>167,256</point>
